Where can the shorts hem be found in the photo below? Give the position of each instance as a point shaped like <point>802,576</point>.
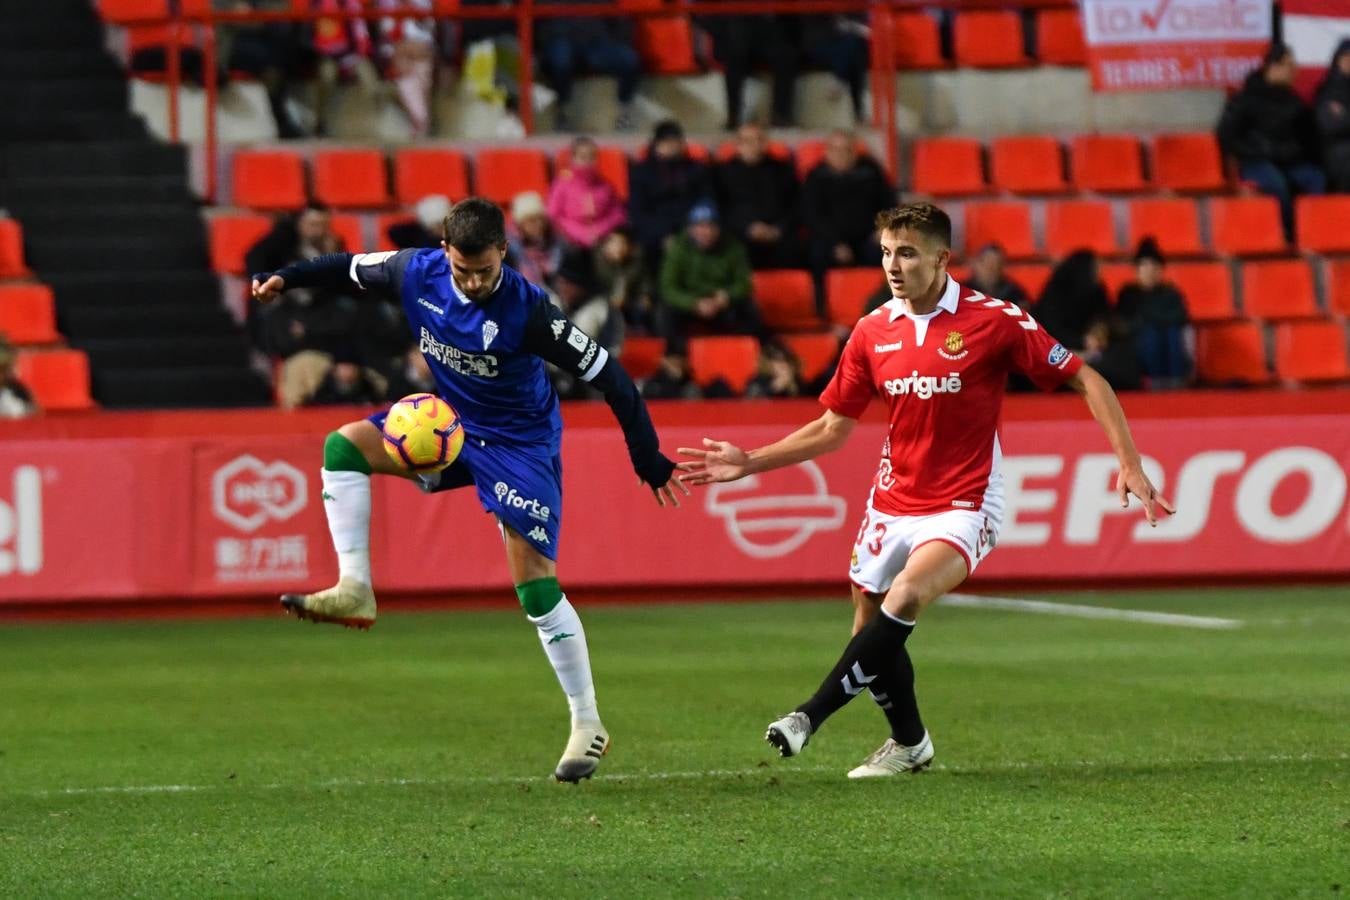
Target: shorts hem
<point>970,566</point>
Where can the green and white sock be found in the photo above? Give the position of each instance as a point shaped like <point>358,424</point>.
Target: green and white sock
<point>346,503</point>
<point>564,642</point>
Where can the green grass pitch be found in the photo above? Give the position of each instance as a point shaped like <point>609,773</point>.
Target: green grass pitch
<point>269,758</point>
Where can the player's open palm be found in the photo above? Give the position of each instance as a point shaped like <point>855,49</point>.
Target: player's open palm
<point>717,461</point>
<point>1134,481</point>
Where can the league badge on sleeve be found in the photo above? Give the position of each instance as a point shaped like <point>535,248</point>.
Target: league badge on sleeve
<point>1059,355</point>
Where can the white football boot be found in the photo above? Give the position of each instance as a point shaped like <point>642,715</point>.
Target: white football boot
<point>589,742</point>
<point>892,759</point>
<point>349,603</point>
<point>790,733</point>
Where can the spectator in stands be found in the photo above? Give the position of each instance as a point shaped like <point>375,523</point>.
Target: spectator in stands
<point>758,197</point>
<point>346,383</point>
<point>274,53</point>
<point>1108,349</point>
<point>533,247</point>
<point>583,205</point>
<point>1153,310</point>
<point>987,277</point>
<point>741,43</point>
<point>1074,299</point>
<point>1333,117</point>
<point>413,376</point>
<point>840,200</point>
<point>622,274</point>
<point>596,44</point>
<point>492,63</point>
<point>780,374</point>
<point>585,303</point>
<point>16,401</point>
<point>305,236</point>
<point>663,188</point>
<point>841,44</point>
<point>705,282</point>
<point>406,51</point>
<point>672,381</point>
<point>345,50</point>
<point>425,229</point>
<point>1272,134</point>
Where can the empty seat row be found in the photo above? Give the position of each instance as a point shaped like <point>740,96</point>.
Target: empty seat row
<point>59,379</point>
<point>732,359</point>
<point>28,314</point>
<point>11,250</point>
<point>1238,226</point>
<point>1107,163</point>
<point>1306,352</point>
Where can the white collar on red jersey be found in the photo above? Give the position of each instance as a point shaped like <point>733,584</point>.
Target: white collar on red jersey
<point>948,302</point>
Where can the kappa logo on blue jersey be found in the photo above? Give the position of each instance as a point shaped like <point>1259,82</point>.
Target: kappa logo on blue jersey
<point>1058,354</point>
<point>490,330</point>
<point>431,306</point>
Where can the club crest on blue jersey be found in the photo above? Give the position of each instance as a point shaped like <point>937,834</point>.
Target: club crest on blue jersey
<point>490,330</point>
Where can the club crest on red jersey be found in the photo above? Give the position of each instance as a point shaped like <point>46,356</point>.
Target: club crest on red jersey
<point>954,346</point>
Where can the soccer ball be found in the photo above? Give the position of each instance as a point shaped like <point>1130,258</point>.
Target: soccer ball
<point>422,433</point>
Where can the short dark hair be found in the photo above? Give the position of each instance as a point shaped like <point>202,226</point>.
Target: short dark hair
<point>474,225</point>
<point>925,218</point>
<point>1278,52</point>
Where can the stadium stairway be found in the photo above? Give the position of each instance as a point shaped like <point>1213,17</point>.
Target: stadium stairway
<point>110,222</point>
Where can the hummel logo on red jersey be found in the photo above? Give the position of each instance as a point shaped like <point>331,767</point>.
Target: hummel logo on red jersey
<point>887,348</point>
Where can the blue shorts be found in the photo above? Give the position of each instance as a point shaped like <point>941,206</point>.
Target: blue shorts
<point>521,486</point>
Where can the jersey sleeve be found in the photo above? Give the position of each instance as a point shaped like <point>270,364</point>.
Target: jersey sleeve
<point>550,335</point>
<point>1037,355</point>
<point>851,389</point>
<point>382,271</point>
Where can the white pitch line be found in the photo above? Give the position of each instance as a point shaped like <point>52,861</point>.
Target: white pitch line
<point>977,601</point>
<point>785,769</point>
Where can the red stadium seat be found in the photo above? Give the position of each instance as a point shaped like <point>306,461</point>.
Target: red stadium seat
<point>786,299</point>
<point>945,167</point>
<point>1323,223</point>
<point>59,379</point>
<point>666,45</point>
<point>421,172</point>
<point>847,292</point>
<point>269,179</point>
<point>988,39</point>
<point>1246,226</point>
<point>612,164</point>
<point>231,237</point>
<point>118,11</point>
<point>1028,165</point>
<point>1080,224</point>
<point>1278,289</point>
<point>385,221</point>
<point>503,172</point>
<point>815,351</point>
<point>1173,223</point>
<point>1007,224</point>
<point>1188,162</point>
<point>1231,353</point>
<point>1030,277</point>
<point>11,250</point>
<point>348,228</point>
<point>1338,286</point>
<point>809,154</point>
<point>917,42</point>
<point>1311,351</point>
<point>1059,37</point>
<point>351,179</point>
<point>1206,288</point>
<point>1110,163</point>
<point>28,314</point>
<point>735,360</point>
<point>1115,276</point>
<point>641,356</point>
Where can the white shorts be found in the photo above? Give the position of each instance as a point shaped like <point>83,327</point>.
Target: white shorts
<point>885,542</point>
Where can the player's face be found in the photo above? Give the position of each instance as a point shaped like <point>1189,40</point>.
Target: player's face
<point>476,274</point>
<point>915,264</point>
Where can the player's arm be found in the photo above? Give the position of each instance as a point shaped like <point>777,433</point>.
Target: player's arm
<point>379,272</point>
<point>721,461</point>
<point>1105,408</point>
<point>550,335</point>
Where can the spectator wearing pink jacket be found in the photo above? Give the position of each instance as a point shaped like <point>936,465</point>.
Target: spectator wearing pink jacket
<point>582,204</point>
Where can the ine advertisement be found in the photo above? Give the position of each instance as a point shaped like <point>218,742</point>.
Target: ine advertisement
<point>1150,45</point>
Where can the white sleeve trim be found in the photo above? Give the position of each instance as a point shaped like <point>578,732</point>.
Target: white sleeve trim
<point>600,359</point>
<point>367,259</point>
<point>356,259</point>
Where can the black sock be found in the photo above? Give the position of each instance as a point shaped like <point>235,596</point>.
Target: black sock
<point>894,693</point>
<point>873,649</point>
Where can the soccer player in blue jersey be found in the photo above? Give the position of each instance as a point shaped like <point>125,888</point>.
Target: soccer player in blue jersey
<point>486,332</point>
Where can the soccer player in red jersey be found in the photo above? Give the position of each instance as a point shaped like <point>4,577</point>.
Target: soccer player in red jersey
<point>939,355</point>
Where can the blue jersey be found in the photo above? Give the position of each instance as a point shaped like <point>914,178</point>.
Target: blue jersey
<point>487,357</point>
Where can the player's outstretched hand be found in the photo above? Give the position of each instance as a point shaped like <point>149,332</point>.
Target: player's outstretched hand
<point>717,461</point>
<point>1134,481</point>
<point>668,490</point>
<point>269,290</point>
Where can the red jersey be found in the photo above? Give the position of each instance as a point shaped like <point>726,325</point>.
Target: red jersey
<point>942,375</point>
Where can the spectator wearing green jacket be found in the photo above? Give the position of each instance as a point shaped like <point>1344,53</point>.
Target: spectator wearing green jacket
<point>705,282</point>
